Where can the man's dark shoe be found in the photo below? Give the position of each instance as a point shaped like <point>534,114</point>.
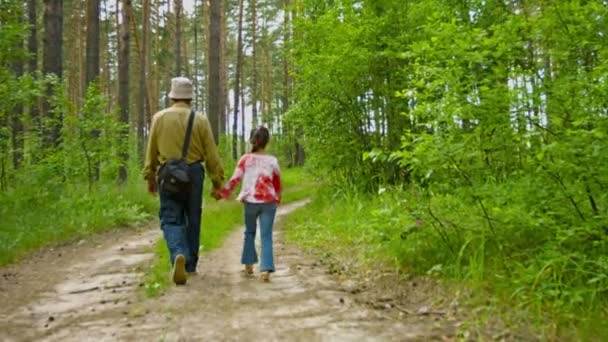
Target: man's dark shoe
<point>179,270</point>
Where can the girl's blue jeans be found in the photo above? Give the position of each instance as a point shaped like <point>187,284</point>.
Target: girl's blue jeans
<point>266,213</point>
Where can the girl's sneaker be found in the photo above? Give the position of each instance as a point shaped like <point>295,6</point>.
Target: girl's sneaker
<point>248,271</point>
<point>265,276</point>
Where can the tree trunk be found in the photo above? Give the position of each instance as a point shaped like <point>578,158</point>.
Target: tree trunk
<point>243,134</point>
<point>205,63</point>
<point>82,52</point>
<point>33,38</point>
<point>178,38</point>
<point>155,101</point>
<point>52,52</point>
<point>16,123</point>
<point>142,100</point>
<point>92,58</point>
<point>224,73</point>
<point>123,86</point>
<point>237,82</point>
<point>33,60</point>
<point>286,55</point>
<point>254,82</point>
<point>214,87</point>
<point>167,66</point>
<point>266,91</point>
<point>109,58</point>
<point>195,71</point>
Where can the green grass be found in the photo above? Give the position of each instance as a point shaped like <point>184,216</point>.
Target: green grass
<point>390,230</point>
<point>34,218</point>
<point>220,218</point>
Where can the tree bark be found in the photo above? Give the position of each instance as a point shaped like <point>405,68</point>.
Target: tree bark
<point>254,68</point>
<point>178,38</point>
<point>142,100</point>
<point>205,63</point>
<point>224,73</point>
<point>52,52</point>
<point>92,59</point>
<point>215,106</point>
<point>286,55</point>
<point>237,82</point>
<point>195,71</point>
<point>123,86</point>
<point>155,100</point>
<point>92,52</point>
<point>16,123</point>
<point>33,38</point>
<point>33,60</point>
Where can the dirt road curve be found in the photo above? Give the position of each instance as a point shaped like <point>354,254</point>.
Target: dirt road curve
<point>88,292</point>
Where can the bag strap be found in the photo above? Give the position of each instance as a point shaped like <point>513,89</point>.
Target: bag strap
<point>188,135</point>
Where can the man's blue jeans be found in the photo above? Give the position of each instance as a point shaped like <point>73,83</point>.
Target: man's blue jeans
<point>266,213</point>
<point>180,219</point>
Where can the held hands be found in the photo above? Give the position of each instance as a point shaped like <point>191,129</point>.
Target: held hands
<point>216,193</point>
<point>152,186</point>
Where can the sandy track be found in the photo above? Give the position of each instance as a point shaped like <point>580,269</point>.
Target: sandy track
<point>88,292</point>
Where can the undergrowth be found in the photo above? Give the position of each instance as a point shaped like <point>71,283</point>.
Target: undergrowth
<point>39,216</point>
<point>523,269</point>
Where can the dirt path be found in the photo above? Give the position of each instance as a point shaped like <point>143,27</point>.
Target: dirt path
<point>87,291</point>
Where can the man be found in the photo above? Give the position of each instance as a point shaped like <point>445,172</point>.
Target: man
<point>180,216</point>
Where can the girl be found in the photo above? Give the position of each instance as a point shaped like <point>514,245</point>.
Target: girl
<point>260,193</point>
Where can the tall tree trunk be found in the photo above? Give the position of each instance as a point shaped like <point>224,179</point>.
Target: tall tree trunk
<point>16,123</point>
<point>33,60</point>
<point>254,68</point>
<point>52,52</point>
<point>83,46</point>
<point>224,73</point>
<point>286,55</point>
<point>155,101</point>
<point>123,85</point>
<point>214,87</point>
<point>109,58</point>
<point>178,38</point>
<point>205,58</point>
<point>33,37</point>
<point>266,91</point>
<point>243,134</point>
<point>195,71</point>
<point>92,59</point>
<point>142,100</point>
<point>186,59</point>
<point>167,71</point>
<point>237,82</point>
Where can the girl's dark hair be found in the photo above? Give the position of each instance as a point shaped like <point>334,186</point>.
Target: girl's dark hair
<point>259,138</point>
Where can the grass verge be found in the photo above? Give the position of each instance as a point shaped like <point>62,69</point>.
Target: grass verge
<point>219,219</point>
<point>40,217</point>
<point>384,230</point>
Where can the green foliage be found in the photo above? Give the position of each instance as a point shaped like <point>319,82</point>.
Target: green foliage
<point>54,196</point>
<point>44,215</point>
<point>486,120</point>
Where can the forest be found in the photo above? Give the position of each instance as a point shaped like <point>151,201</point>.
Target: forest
<point>456,140</point>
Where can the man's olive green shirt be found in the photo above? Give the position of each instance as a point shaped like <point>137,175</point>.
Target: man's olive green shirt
<point>167,138</point>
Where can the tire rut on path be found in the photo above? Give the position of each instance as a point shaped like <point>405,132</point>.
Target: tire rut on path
<point>95,298</point>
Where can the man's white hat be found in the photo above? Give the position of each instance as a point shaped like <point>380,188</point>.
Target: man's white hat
<point>181,89</point>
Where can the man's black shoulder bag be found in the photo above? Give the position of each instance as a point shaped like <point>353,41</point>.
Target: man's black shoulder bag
<point>174,175</point>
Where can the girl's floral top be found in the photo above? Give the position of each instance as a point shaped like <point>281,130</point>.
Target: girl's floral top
<point>261,179</point>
